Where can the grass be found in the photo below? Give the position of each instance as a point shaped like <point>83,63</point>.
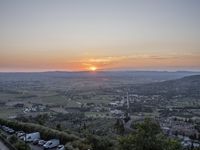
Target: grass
<point>7,112</point>
<point>97,114</point>
<point>98,99</point>
<point>4,97</point>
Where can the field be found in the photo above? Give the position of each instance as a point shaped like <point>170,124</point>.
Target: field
<point>67,90</point>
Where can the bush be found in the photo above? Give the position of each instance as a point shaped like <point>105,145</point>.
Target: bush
<point>13,139</point>
<point>69,147</point>
<point>81,145</point>
<point>21,146</point>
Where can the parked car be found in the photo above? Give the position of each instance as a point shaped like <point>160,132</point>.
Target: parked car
<point>4,128</point>
<point>41,142</point>
<point>20,133</point>
<point>8,130</point>
<point>22,137</point>
<point>60,147</point>
<point>36,141</point>
<point>51,143</point>
<point>11,131</point>
<point>32,136</point>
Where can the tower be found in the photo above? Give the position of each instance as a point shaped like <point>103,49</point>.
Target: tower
<point>127,100</point>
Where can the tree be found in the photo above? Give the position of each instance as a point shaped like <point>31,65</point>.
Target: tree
<point>58,127</point>
<point>119,126</point>
<point>148,136</point>
<point>99,143</point>
<point>127,117</point>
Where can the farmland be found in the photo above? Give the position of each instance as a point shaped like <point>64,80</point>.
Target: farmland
<point>95,103</point>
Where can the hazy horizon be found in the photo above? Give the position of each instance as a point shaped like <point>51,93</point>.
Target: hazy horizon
<point>99,71</point>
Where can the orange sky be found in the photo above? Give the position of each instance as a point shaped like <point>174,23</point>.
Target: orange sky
<point>109,35</point>
<point>126,62</point>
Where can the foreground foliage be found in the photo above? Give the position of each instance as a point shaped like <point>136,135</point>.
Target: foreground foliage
<point>147,136</point>
<point>19,145</point>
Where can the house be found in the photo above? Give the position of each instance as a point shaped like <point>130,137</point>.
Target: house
<point>117,113</point>
<point>19,105</point>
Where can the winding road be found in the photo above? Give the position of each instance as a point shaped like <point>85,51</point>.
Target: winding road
<point>128,125</point>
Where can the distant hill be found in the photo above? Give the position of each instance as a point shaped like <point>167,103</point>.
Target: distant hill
<point>155,75</point>
<point>152,74</point>
<point>186,86</point>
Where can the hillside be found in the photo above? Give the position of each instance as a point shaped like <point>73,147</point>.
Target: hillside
<point>186,86</point>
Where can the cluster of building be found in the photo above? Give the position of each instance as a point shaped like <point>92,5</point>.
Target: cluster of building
<point>182,129</point>
<point>35,108</point>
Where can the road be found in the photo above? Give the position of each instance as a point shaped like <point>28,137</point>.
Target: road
<point>128,125</point>
<point>3,146</point>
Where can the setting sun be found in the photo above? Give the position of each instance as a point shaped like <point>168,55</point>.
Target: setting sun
<point>93,68</point>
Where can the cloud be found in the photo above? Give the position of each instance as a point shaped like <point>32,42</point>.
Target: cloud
<point>142,60</point>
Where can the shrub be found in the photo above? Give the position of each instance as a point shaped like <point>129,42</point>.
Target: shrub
<point>21,146</point>
<point>13,139</point>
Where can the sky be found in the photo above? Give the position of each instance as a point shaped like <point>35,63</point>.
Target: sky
<point>81,35</point>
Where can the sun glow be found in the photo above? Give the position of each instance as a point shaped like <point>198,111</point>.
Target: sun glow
<point>93,68</point>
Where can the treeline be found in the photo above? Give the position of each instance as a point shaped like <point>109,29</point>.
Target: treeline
<point>146,135</point>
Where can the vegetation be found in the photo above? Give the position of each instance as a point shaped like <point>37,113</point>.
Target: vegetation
<point>147,136</point>
<point>46,133</point>
<point>83,118</point>
<point>119,126</point>
<point>98,143</point>
<point>19,145</point>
